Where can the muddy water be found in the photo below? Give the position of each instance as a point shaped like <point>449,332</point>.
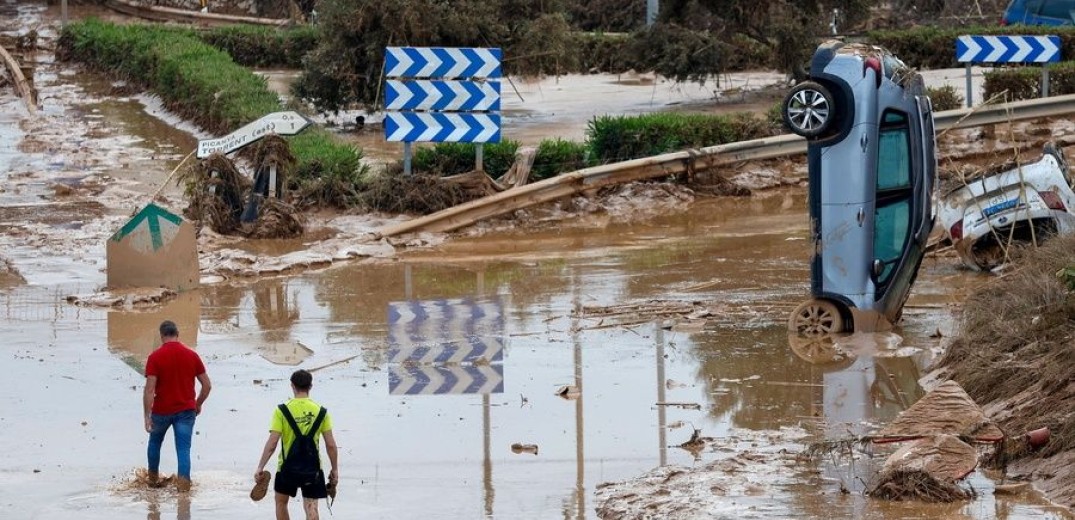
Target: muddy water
<point>449,455</point>
<point>73,404</point>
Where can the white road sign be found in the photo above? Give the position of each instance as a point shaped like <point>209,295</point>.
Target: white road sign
<point>281,123</point>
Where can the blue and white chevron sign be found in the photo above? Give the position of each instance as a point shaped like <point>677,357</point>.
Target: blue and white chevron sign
<point>441,62</point>
<point>455,321</point>
<point>1008,49</point>
<point>468,350</point>
<point>442,127</point>
<point>442,95</point>
<point>445,380</point>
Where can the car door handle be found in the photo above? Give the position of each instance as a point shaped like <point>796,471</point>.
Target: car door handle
<point>861,216</point>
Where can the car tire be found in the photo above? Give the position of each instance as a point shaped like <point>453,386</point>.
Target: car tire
<point>816,318</point>
<point>808,110</point>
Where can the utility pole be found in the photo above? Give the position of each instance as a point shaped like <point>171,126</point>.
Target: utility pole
<point>63,11</point>
<point>652,6</point>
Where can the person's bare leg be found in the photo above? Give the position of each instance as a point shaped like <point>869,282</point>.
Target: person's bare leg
<point>310,506</point>
<point>281,507</point>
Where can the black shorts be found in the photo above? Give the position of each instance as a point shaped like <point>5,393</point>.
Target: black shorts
<point>287,484</point>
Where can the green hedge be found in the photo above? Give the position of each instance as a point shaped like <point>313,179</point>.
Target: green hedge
<point>1025,82</point>
<point>619,138</point>
<point>200,83</point>
<point>935,47</point>
<point>556,156</point>
<point>257,46</point>
<point>455,158</point>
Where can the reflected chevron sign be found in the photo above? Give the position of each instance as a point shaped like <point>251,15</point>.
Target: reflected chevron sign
<point>442,127</point>
<point>1008,49</point>
<point>458,322</point>
<point>445,380</point>
<point>450,95</point>
<point>441,62</point>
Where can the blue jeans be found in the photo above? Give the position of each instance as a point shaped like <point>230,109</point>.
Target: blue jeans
<point>182,424</point>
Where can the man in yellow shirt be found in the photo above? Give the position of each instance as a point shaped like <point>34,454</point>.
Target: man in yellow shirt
<point>311,420</point>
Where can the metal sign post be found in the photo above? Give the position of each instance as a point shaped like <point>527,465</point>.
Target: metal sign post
<point>1008,49</point>
<point>442,94</point>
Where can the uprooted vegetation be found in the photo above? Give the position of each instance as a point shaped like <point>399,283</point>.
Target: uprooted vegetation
<point>1013,355</point>
<point>220,195</point>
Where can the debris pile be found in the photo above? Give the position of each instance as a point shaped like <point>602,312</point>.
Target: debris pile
<point>221,197</point>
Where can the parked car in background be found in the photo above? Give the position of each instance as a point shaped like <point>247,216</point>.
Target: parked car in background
<point>872,168</point>
<point>1039,12</point>
<point>1013,205</point>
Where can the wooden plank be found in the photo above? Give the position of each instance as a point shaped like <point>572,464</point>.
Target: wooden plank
<point>22,85</point>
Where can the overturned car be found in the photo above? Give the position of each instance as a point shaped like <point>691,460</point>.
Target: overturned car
<point>1012,205</point>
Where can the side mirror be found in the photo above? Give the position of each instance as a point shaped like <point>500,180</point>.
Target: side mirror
<point>878,268</point>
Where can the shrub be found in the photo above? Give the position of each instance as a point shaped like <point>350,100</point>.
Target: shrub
<point>556,156</point>
<point>256,46</point>
<point>619,138</point>
<point>945,98</point>
<point>199,83</point>
<point>934,47</point>
<point>454,158</point>
<point>1020,82</point>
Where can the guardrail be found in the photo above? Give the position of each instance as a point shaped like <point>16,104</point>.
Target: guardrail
<point>688,160</point>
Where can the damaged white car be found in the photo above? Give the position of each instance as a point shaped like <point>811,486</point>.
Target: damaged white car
<point>986,215</point>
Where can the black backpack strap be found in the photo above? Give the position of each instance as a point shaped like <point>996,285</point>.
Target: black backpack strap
<point>295,427</point>
<point>317,422</point>
<point>290,419</point>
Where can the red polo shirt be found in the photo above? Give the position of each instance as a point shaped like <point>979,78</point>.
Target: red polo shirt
<point>176,367</point>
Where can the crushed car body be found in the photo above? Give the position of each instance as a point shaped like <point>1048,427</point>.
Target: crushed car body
<point>988,214</point>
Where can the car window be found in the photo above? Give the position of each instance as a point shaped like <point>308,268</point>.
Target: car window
<point>893,152</point>
<point>1032,6</point>
<point>891,227</point>
<point>1057,9</point>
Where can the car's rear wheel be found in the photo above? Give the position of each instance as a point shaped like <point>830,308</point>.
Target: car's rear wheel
<point>816,318</point>
<point>808,110</point>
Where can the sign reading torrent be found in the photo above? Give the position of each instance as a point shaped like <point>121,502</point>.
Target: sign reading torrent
<point>280,123</point>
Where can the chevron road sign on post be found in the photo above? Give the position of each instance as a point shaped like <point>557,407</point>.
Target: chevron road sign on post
<point>441,94</point>
<point>442,127</point>
<point>445,380</point>
<point>1043,49</point>
<point>441,62</point>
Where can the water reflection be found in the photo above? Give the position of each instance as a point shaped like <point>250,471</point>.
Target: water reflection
<point>182,511</point>
<point>276,312</point>
<point>134,334</point>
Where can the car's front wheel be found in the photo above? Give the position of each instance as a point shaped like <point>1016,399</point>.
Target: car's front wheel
<point>816,318</point>
<point>808,110</point>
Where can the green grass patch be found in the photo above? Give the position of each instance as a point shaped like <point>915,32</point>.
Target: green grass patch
<point>202,84</point>
<point>445,159</point>
<point>621,138</point>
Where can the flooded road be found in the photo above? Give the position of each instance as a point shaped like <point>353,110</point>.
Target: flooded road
<point>425,438</point>
<point>442,447</point>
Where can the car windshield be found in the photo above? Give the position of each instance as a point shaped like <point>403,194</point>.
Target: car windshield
<point>1058,9</point>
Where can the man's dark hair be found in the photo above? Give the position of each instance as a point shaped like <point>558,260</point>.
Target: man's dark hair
<point>169,330</point>
<point>302,380</point>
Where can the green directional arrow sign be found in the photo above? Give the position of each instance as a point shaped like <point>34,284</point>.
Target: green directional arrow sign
<point>153,222</point>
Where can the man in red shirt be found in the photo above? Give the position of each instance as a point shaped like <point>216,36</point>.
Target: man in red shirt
<point>168,400</point>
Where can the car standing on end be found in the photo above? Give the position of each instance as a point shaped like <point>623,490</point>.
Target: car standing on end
<point>872,169</point>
